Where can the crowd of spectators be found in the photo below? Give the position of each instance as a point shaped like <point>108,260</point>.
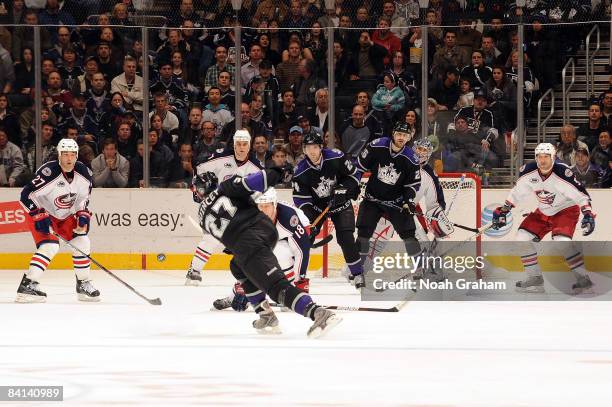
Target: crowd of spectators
<point>92,82</point>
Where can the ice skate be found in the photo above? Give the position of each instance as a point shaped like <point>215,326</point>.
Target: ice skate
<point>583,285</point>
<point>324,321</point>
<point>193,277</point>
<point>86,291</point>
<point>221,304</point>
<point>28,292</point>
<point>358,281</point>
<point>533,284</point>
<point>267,322</point>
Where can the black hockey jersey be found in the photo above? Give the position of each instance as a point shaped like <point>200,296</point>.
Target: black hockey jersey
<point>313,185</point>
<point>394,177</point>
<point>229,210</point>
<point>51,190</point>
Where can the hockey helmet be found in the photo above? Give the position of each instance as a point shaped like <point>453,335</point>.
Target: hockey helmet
<point>67,145</point>
<point>424,149</point>
<point>402,127</point>
<point>546,148</point>
<point>242,135</point>
<point>269,196</point>
<point>204,184</point>
<point>313,137</point>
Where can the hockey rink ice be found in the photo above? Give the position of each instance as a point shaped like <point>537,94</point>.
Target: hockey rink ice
<point>125,352</point>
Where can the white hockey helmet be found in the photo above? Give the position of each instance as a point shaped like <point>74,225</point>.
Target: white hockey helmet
<point>67,145</point>
<point>546,148</point>
<point>269,196</point>
<point>242,135</point>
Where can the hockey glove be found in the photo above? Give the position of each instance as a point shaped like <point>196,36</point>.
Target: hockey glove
<point>499,216</point>
<point>240,301</point>
<point>41,219</point>
<point>303,284</point>
<point>439,223</point>
<point>83,218</point>
<point>339,198</point>
<point>588,221</point>
<point>409,207</point>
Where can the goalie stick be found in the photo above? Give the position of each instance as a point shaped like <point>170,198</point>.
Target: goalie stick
<point>154,301</point>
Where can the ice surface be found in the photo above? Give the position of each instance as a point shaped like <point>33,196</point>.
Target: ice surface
<point>125,352</point>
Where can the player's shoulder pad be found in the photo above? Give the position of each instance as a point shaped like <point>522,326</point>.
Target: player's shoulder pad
<point>563,170</point>
<point>430,171</point>
<point>410,154</point>
<point>527,168</point>
<point>381,142</point>
<point>253,159</point>
<point>331,153</point>
<point>301,167</point>
<point>83,170</point>
<point>49,170</point>
<point>289,216</point>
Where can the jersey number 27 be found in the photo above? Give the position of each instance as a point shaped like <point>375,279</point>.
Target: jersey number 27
<point>215,222</point>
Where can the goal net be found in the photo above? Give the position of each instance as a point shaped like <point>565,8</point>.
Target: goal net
<point>462,193</point>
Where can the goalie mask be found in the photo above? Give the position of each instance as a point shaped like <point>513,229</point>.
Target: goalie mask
<point>424,149</point>
<point>204,184</point>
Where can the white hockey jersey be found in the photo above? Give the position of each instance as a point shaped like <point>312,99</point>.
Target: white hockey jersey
<point>558,191</point>
<point>293,248</point>
<point>430,190</point>
<point>224,165</point>
<point>51,190</point>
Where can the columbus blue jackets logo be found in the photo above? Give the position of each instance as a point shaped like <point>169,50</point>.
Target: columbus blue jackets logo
<point>545,197</point>
<point>65,201</point>
<point>388,174</point>
<point>324,188</point>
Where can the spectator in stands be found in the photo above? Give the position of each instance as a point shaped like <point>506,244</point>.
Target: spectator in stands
<point>589,132</point>
<point>181,169</point>
<point>500,36</point>
<point>449,55</point>
<point>186,12</point>
<point>295,152</point>
<point>260,148</point>
<point>386,39</point>
<point>316,43</point>
<point>206,145</point>
<point>53,16</point>
<point>106,64</point>
<point>295,17</point>
<point>63,42</point>
<point>363,99</point>
<point>111,118</point>
<point>271,88</point>
<point>587,173</point>
<point>446,90</point>
<point>9,121</point>
<point>26,123</point>
<point>129,85</point>
<point>355,133</point>
<point>602,157</point>
<point>307,127</point>
<point>228,96</point>
<point>341,61</point>
<point>477,72</point>
<point>61,99</point>
<point>367,60</point>
<point>83,83</point>
<point>23,35</point>
<point>165,151</point>
<point>76,116</point>
<point>396,20</point>
<point>568,145</point>
<point>466,149</point>
<point>7,71</point>
<point>502,94</point>
<point>279,157</point>
<point>287,111</point>
<point>162,108</point>
<point>259,115</point>
<point>215,111</point>
<point>98,98</point>
<point>169,138</point>
<point>11,162</point>
<point>173,88</point>
<point>478,117</point>
<point>344,35</point>
<point>227,134</point>
<point>126,140</point>
<point>306,85</point>
<point>363,19</point>
<point>110,169</point>
<point>69,68</point>
<point>24,72</point>
<point>221,65</point>
<point>543,51</point>
<point>288,71</point>
<point>251,68</point>
<point>15,12</point>
<point>607,106</point>
<point>436,130</point>
<point>468,38</point>
<point>193,131</point>
<point>157,170</point>
<point>388,100</point>
<point>268,10</point>
<point>319,116</point>
<point>411,118</point>
<point>529,80</point>
<point>49,152</point>
<point>269,54</point>
<point>492,55</point>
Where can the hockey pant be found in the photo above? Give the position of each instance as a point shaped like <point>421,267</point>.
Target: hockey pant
<point>257,269</point>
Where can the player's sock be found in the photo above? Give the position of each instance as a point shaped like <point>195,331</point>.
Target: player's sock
<point>199,260</point>
<point>355,267</point>
<point>576,263</point>
<point>82,266</point>
<point>530,263</point>
<point>41,259</point>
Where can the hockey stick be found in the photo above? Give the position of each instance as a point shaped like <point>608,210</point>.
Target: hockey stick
<point>155,301</point>
<point>322,242</point>
<point>395,308</point>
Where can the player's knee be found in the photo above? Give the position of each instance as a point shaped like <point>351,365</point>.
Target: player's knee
<point>364,244</point>
<point>280,291</point>
<point>412,245</point>
<point>345,237</point>
<point>48,249</point>
<point>523,236</point>
<point>82,243</point>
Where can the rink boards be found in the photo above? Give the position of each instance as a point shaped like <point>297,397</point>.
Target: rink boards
<point>157,229</point>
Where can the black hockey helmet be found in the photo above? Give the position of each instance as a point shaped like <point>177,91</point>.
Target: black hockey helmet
<point>312,137</point>
<point>204,184</point>
<point>402,127</point>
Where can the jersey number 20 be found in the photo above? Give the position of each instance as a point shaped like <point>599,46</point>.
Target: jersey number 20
<point>215,222</point>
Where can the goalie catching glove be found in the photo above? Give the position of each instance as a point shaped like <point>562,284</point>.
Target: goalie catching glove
<point>499,216</point>
<point>439,223</point>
